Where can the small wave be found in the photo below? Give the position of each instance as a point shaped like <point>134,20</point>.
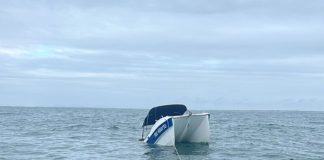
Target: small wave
<point>76,126</point>
<point>114,127</point>
<point>77,137</point>
<point>271,126</point>
<point>35,133</point>
<point>6,113</point>
<point>316,122</point>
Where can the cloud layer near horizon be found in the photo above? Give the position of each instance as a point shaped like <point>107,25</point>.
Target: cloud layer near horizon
<point>215,54</point>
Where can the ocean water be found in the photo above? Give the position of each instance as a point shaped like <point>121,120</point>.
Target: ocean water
<point>92,133</point>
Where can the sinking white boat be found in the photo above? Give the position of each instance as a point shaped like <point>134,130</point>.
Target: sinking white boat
<point>171,124</point>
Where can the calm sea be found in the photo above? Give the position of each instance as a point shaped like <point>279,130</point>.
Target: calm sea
<point>83,133</point>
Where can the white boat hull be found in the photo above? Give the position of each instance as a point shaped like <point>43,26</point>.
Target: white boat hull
<point>193,128</point>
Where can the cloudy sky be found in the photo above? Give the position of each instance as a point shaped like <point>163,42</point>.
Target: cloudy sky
<point>207,54</point>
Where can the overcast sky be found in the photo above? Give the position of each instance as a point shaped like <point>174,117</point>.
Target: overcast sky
<point>207,54</point>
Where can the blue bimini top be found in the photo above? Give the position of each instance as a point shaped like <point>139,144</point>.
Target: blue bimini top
<point>161,111</point>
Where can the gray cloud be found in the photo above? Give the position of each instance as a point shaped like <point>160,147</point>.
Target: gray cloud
<point>235,54</point>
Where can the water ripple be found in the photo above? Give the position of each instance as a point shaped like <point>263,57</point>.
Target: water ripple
<point>75,133</point>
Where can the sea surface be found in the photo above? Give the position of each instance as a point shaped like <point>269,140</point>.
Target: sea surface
<point>97,133</point>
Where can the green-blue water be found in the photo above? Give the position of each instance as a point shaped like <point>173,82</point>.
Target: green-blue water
<point>80,133</point>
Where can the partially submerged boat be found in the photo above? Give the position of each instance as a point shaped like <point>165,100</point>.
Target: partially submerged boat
<point>170,124</point>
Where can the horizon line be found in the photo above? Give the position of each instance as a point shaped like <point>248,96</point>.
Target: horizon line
<point>141,108</point>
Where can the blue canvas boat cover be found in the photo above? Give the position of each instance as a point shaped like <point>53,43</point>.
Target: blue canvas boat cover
<point>161,111</point>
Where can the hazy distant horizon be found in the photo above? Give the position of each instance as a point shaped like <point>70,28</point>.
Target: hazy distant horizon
<point>192,108</point>
<point>254,55</point>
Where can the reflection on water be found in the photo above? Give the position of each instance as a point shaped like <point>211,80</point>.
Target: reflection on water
<point>159,152</point>
<point>184,149</point>
<point>193,148</point>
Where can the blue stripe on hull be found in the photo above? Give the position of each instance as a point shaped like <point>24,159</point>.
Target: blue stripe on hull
<point>159,131</point>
